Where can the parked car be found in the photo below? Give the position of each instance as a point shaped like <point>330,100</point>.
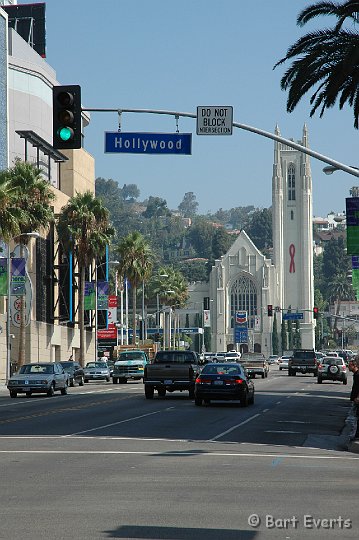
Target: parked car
<point>283,362</point>
<point>332,369</point>
<point>96,371</point>
<point>74,371</point>
<point>224,381</point>
<point>40,378</point>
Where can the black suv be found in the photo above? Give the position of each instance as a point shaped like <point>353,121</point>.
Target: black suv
<point>75,372</point>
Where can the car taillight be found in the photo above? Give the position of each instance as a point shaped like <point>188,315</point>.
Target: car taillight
<point>320,366</point>
<point>199,380</point>
<point>238,381</point>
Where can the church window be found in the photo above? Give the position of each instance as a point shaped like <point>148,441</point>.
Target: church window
<point>244,298</point>
<point>291,182</point>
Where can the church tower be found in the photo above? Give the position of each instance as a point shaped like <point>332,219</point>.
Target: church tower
<point>293,233</point>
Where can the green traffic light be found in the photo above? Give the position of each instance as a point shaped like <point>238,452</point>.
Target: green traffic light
<point>65,133</point>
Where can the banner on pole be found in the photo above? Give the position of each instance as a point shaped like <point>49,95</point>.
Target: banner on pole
<point>18,277</point>
<point>90,298</point>
<point>102,295</point>
<point>3,277</point>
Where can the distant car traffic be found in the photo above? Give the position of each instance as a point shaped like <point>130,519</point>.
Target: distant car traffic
<point>96,371</point>
<point>74,371</point>
<point>332,369</point>
<point>41,378</point>
<point>224,381</point>
<point>283,362</point>
<point>273,359</point>
<point>129,365</point>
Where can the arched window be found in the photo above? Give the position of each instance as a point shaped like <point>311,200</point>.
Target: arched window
<point>244,298</point>
<point>291,182</point>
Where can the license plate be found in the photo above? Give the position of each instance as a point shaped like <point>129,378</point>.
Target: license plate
<point>218,382</point>
<point>167,381</point>
<point>25,389</point>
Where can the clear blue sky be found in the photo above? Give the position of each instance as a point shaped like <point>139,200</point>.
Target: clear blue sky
<point>165,54</point>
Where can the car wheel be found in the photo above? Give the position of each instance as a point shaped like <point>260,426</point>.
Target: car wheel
<point>244,400</point>
<point>28,394</point>
<point>13,394</point>
<point>345,381</point>
<point>280,369</point>
<point>263,375</point>
<point>108,379</point>
<point>64,390</point>
<point>320,380</point>
<point>149,391</point>
<point>81,382</point>
<point>251,400</point>
<point>207,401</point>
<point>114,380</point>
<point>72,382</point>
<point>191,393</point>
<point>86,380</point>
<point>198,401</point>
<point>161,392</point>
<point>51,391</point>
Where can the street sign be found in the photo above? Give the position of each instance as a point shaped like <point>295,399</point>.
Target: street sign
<point>292,316</point>
<point>148,143</point>
<point>214,120</point>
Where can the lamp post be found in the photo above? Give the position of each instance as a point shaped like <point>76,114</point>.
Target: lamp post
<point>8,317</point>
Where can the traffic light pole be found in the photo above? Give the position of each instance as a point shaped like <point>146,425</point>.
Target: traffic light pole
<point>267,134</point>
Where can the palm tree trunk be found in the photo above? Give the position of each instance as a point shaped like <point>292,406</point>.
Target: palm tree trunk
<point>134,308</point>
<point>82,316</point>
<point>22,329</point>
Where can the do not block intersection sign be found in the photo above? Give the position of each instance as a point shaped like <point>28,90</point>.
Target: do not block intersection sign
<point>214,120</point>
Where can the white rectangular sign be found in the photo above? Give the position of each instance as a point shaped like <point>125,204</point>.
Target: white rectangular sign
<point>214,120</point>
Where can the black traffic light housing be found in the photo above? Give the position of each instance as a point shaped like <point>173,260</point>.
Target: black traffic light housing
<point>270,310</point>
<point>315,312</point>
<point>66,117</point>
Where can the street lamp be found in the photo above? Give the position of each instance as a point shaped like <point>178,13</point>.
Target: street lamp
<point>330,169</point>
<point>8,318</point>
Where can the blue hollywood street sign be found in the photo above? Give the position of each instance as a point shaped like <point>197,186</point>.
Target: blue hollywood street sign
<point>148,143</point>
<point>292,316</point>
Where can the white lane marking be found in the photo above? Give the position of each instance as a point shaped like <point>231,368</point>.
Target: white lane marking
<point>117,423</point>
<point>180,453</point>
<point>292,422</point>
<point>278,402</point>
<point>265,410</point>
<point>278,431</point>
<point>234,427</point>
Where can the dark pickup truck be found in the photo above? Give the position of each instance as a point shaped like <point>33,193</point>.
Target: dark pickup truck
<point>170,371</point>
<point>303,361</point>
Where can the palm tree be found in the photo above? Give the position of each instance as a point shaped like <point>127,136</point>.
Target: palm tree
<point>10,215</point>
<point>84,229</point>
<point>136,262</point>
<point>33,197</point>
<point>325,59</point>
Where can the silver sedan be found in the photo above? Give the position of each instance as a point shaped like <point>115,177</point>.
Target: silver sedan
<point>97,371</point>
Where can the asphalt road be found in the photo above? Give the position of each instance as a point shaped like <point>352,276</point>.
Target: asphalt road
<point>104,462</point>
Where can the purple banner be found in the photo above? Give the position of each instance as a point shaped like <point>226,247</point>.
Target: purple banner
<point>18,267</point>
<point>102,294</point>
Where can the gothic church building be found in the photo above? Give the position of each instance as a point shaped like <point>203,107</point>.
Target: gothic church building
<point>245,280</point>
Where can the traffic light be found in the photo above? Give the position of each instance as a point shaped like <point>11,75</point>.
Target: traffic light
<point>270,310</point>
<point>66,117</point>
<point>315,312</point>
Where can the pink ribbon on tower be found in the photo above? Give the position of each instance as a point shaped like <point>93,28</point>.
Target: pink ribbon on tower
<point>292,253</point>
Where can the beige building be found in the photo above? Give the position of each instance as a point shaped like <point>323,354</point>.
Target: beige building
<point>26,103</point>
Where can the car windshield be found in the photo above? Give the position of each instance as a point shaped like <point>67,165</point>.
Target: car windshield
<point>131,356</point>
<point>96,365</point>
<point>176,357</point>
<point>36,368</point>
<point>221,369</point>
<point>333,361</point>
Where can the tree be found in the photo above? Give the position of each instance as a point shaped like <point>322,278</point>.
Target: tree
<point>130,192</point>
<point>283,334</point>
<point>325,61</point>
<point>85,230</point>
<point>33,200</point>
<point>156,207</point>
<point>341,289</point>
<point>275,340</point>
<point>221,242</point>
<point>188,207</point>
<point>10,215</point>
<point>259,228</point>
<point>200,235</point>
<point>136,262</point>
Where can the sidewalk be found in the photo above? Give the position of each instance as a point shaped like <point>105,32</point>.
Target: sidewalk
<point>345,440</point>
